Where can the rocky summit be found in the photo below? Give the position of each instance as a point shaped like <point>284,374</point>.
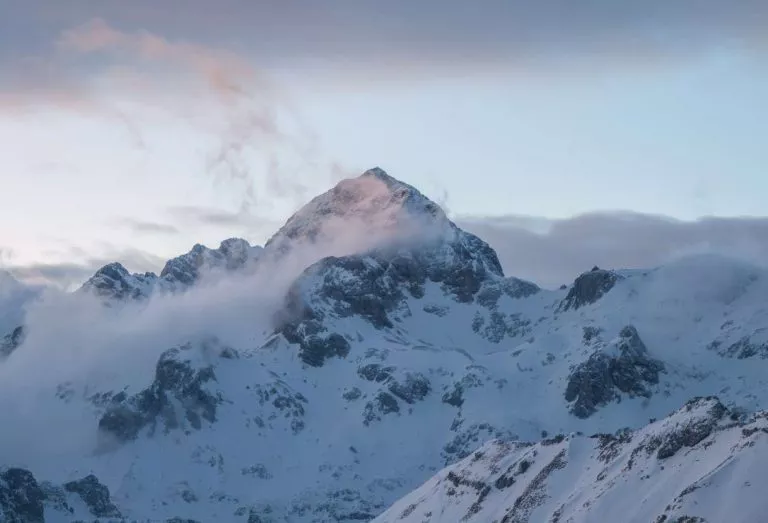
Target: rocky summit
<point>373,362</point>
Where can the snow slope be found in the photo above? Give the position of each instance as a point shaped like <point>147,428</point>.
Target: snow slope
<point>701,463</point>
<point>367,346</point>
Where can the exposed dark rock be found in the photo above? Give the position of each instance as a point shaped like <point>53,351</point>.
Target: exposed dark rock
<point>94,495</point>
<point>113,281</point>
<point>492,290</point>
<point>690,433</point>
<point>316,349</point>
<point>413,388</point>
<point>176,381</point>
<point>601,378</point>
<point>307,331</point>
<point>10,342</point>
<point>500,325</point>
<point>742,349</point>
<point>384,403</point>
<point>466,441</point>
<point>535,493</point>
<point>352,394</point>
<point>591,334</point>
<point>284,403</point>
<point>454,397</point>
<point>232,254</point>
<point>375,372</point>
<point>588,288</point>
<point>437,310</point>
<point>21,497</point>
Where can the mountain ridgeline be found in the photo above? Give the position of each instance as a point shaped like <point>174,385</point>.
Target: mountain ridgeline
<point>399,351</point>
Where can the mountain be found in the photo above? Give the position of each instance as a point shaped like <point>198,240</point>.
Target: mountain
<point>396,347</point>
<point>114,282</point>
<point>701,463</point>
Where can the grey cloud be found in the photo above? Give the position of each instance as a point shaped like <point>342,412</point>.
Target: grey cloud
<point>68,275</point>
<point>201,215</point>
<point>372,35</point>
<point>553,252</point>
<point>241,222</point>
<point>146,227</point>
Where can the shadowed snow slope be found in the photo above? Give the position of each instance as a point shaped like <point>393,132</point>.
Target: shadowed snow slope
<point>367,346</point>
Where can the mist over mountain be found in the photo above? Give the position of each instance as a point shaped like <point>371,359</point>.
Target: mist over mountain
<point>370,343</point>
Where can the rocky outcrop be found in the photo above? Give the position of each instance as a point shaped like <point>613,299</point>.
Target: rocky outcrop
<point>588,288</point>
<point>114,283</point>
<point>622,367</point>
<point>741,349</point>
<point>703,417</point>
<point>178,397</point>
<point>409,388</point>
<point>10,342</point>
<point>25,500</point>
<point>21,497</point>
<point>514,288</point>
<point>95,495</point>
<point>233,254</point>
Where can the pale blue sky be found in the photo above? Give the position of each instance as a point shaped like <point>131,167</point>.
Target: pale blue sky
<point>111,129</point>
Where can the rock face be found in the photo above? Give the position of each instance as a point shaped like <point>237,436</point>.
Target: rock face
<point>604,477</point>
<point>10,342</point>
<point>178,397</point>
<point>113,281</point>
<point>741,349</point>
<point>232,255</point>
<point>21,498</point>
<point>588,288</point>
<point>94,495</point>
<point>25,500</point>
<point>600,379</point>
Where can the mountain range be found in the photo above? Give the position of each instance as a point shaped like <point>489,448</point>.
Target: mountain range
<point>372,362</point>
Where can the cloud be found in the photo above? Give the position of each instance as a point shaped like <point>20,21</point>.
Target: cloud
<point>255,139</point>
<point>6,255</point>
<point>400,38</point>
<point>68,275</point>
<point>207,215</point>
<point>554,252</point>
<point>146,227</point>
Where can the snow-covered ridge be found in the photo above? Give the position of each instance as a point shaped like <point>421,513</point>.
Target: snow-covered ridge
<point>701,463</point>
<point>115,282</point>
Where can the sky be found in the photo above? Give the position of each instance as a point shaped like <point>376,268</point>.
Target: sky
<point>132,130</point>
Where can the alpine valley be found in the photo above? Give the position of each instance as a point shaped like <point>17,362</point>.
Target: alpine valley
<point>372,362</point>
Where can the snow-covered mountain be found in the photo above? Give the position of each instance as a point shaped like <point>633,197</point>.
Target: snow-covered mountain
<point>371,343</point>
<point>701,463</point>
<point>114,282</point>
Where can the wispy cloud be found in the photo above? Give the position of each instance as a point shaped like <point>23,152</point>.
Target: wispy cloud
<point>146,227</point>
<point>554,252</point>
<point>69,275</point>
<point>258,141</point>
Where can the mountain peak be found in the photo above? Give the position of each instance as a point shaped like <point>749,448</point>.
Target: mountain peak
<point>364,207</point>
